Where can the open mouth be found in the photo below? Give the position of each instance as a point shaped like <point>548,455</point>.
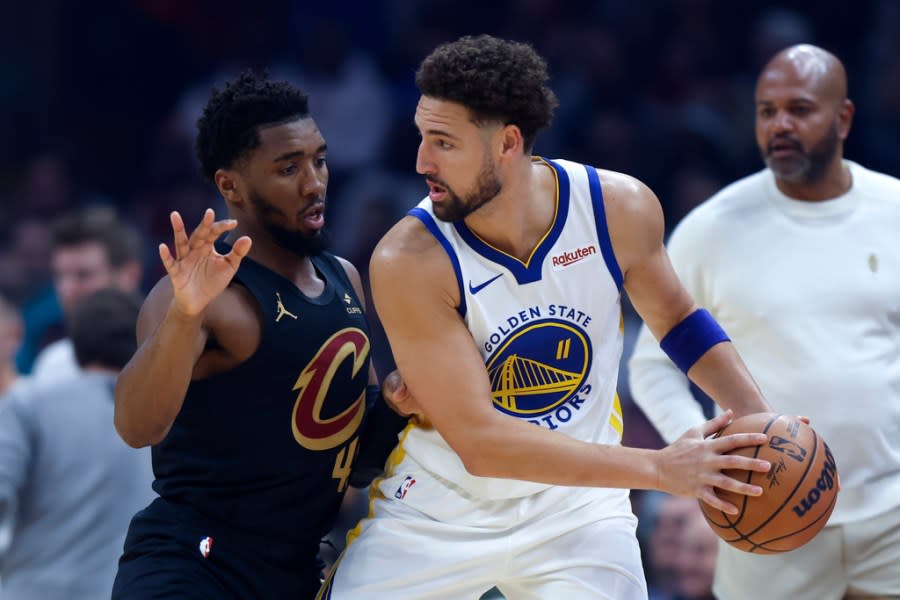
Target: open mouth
<point>436,192</point>
<point>315,216</point>
<point>782,148</point>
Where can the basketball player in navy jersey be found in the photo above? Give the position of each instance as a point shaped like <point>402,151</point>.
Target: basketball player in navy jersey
<point>500,295</point>
<point>252,380</point>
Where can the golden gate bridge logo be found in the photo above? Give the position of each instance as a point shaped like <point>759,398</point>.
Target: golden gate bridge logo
<point>539,367</point>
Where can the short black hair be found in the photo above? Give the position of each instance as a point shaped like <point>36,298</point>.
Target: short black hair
<point>102,328</point>
<point>496,79</point>
<point>99,224</point>
<point>229,127</point>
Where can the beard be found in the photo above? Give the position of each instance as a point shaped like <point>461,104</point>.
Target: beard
<point>808,166</point>
<point>297,242</point>
<point>455,208</point>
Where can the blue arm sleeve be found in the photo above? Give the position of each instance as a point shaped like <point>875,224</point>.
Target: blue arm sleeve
<point>691,338</point>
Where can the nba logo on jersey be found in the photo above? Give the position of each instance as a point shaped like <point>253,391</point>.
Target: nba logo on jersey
<point>400,494</point>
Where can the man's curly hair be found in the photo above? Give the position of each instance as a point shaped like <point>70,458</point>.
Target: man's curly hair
<point>229,127</point>
<point>497,80</point>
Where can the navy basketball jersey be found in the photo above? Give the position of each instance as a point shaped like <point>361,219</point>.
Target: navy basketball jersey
<point>549,329</point>
<point>267,446</point>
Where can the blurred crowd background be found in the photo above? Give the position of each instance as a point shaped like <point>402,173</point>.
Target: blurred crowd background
<point>98,103</point>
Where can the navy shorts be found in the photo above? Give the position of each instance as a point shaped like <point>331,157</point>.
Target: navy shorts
<point>171,551</point>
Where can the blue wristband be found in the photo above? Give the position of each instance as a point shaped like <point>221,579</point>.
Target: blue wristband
<point>691,338</point>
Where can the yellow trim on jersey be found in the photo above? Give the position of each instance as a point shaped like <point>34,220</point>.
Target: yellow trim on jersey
<point>395,458</point>
<point>616,419</point>
<point>546,233</point>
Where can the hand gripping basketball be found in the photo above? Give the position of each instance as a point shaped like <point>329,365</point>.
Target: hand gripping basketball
<point>693,465</point>
<point>799,491</point>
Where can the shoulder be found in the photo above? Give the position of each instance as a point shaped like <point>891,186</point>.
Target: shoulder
<point>55,358</point>
<point>235,305</point>
<point>408,240</point>
<point>634,217</point>
<point>728,209</point>
<point>410,253</point>
<point>19,404</point>
<point>352,274</point>
<point>883,186</point>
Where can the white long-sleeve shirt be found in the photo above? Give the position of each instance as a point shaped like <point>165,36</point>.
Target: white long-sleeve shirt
<point>809,293</point>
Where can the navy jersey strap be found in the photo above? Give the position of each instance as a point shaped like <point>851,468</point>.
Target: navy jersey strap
<point>602,227</point>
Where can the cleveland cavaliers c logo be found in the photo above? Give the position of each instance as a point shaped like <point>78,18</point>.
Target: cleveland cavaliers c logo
<point>310,429</point>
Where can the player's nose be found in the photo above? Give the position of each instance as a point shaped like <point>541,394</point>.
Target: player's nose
<point>424,163</point>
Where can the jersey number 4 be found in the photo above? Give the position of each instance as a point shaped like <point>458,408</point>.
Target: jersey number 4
<point>343,464</point>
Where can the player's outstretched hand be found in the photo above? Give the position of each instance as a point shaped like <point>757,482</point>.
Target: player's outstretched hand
<point>199,273</point>
<point>693,464</point>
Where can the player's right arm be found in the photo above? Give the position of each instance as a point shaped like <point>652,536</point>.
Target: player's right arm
<point>415,291</point>
<point>172,330</point>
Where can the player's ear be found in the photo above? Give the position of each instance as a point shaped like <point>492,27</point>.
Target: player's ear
<point>511,140</point>
<point>228,183</point>
<point>845,118</point>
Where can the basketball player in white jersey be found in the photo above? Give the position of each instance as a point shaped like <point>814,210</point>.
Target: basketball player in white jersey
<point>821,330</point>
<point>500,294</point>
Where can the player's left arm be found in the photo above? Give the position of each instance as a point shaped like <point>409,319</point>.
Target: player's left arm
<point>688,333</point>
<point>383,422</point>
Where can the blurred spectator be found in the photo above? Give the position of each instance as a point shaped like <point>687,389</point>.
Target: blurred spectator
<point>662,521</point>
<point>68,484</point>
<point>695,561</point>
<point>10,339</point>
<point>92,249</point>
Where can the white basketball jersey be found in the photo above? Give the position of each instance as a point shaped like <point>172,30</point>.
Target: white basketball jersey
<point>549,329</point>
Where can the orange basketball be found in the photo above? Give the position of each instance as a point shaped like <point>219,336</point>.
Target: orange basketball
<point>799,491</point>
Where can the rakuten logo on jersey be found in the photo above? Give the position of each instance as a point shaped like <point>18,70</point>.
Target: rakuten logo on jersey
<point>570,257</point>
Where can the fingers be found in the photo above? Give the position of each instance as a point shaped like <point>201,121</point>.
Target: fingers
<point>166,256</point>
<point>239,250</point>
<point>708,496</point>
<point>716,423</point>
<point>723,482</point>
<point>392,383</point>
<point>743,463</point>
<point>207,232</point>
<point>179,234</point>
<point>738,440</point>
<point>803,419</point>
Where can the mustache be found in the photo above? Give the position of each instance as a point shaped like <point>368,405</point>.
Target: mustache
<point>793,142</point>
<point>436,181</point>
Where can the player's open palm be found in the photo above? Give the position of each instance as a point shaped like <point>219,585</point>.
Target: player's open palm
<point>693,464</point>
<point>197,271</point>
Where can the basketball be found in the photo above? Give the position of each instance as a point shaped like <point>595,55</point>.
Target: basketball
<point>799,490</point>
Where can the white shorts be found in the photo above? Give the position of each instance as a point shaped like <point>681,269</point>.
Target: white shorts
<point>853,560</point>
<point>425,539</point>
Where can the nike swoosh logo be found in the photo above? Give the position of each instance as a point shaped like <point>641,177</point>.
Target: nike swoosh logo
<point>475,289</point>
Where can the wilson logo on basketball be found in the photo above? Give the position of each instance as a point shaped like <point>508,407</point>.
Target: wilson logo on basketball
<point>570,257</point>
<point>823,483</point>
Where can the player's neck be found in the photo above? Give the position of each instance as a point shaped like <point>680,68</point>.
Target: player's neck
<point>293,267</point>
<point>518,218</point>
